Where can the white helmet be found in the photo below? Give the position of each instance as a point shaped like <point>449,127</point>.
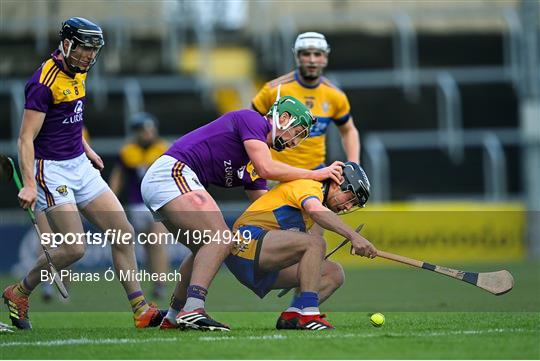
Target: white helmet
<point>310,40</point>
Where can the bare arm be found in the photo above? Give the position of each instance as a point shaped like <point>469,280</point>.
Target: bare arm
<point>331,221</point>
<point>351,140</point>
<point>270,169</point>
<point>31,125</point>
<point>96,160</point>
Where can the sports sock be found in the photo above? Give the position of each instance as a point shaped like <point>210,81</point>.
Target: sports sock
<point>138,303</point>
<point>23,289</point>
<point>309,302</point>
<point>174,308</point>
<point>196,295</point>
<point>295,305</point>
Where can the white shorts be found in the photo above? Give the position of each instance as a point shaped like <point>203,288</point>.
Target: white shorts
<point>67,181</point>
<point>165,180</point>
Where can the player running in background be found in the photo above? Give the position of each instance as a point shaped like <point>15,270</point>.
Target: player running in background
<point>282,254</point>
<point>326,102</point>
<point>135,158</point>
<point>174,188</point>
<point>56,166</point>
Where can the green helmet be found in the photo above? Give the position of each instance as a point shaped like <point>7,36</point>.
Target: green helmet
<point>300,114</point>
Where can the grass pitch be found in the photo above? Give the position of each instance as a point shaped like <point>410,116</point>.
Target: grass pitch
<point>405,335</point>
<point>427,317</point>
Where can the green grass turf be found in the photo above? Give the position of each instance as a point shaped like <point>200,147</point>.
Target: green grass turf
<point>405,335</point>
<point>427,316</point>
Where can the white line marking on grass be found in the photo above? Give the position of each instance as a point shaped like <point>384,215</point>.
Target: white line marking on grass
<point>226,338</point>
<point>88,341</point>
<point>277,337</point>
<point>382,334</point>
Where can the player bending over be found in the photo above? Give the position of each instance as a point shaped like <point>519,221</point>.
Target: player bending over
<point>174,188</point>
<point>283,254</point>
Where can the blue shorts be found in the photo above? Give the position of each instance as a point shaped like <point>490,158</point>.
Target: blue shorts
<point>244,263</point>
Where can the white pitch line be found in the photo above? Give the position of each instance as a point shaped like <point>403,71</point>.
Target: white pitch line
<point>225,338</point>
<point>311,335</point>
<point>87,341</point>
<point>278,337</point>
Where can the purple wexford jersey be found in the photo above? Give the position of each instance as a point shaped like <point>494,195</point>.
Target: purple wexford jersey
<point>216,153</point>
<point>62,98</point>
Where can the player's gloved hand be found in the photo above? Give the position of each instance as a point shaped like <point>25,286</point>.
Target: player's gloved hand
<point>333,171</point>
<point>96,160</point>
<point>363,247</point>
<point>27,197</point>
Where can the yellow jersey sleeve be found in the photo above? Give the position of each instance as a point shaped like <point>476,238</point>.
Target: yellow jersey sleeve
<point>303,189</point>
<point>343,108</point>
<point>263,100</point>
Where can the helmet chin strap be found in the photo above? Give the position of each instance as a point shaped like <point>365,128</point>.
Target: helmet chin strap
<point>279,145</point>
<point>66,55</point>
<point>275,116</point>
<point>61,48</point>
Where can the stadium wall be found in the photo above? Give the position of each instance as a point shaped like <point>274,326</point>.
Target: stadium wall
<point>441,232</point>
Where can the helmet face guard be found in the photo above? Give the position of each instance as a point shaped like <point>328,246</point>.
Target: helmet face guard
<point>281,144</point>
<point>299,116</point>
<point>356,184</point>
<point>345,207</point>
<point>81,34</point>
